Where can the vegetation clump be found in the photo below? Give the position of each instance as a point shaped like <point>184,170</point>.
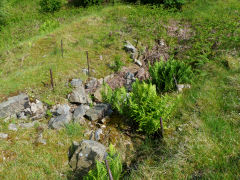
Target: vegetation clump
<point>142,104</point>
<point>166,75</point>
<point>100,172</point>
<point>50,5</point>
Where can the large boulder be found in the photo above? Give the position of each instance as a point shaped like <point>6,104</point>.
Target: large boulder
<point>98,112</point>
<point>83,156</point>
<point>14,105</point>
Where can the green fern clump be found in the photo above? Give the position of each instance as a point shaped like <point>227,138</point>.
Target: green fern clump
<point>117,98</point>
<point>142,105</point>
<point>166,75</point>
<point>146,107</point>
<point>100,172</point>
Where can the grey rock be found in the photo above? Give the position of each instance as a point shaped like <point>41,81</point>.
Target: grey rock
<point>78,95</point>
<point>92,84</point>
<point>27,125</point>
<point>98,134</point>
<point>3,136</point>
<point>12,127</point>
<point>181,87</point>
<point>76,83</point>
<point>139,63</point>
<point>97,112</point>
<point>63,109</point>
<point>129,47</point>
<point>85,156</point>
<point>60,121</point>
<point>79,112</point>
<point>85,71</point>
<point>38,110</point>
<point>13,105</point>
<point>22,115</point>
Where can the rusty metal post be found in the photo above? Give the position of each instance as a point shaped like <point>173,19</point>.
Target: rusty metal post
<point>62,47</point>
<point>161,127</point>
<point>51,76</point>
<point>88,64</point>
<point>109,170</point>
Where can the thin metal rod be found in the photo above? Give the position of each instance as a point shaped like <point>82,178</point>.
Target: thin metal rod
<point>62,47</point>
<point>109,170</point>
<point>51,76</point>
<point>88,64</point>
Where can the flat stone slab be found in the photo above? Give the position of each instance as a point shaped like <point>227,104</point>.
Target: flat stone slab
<point>14,105</point>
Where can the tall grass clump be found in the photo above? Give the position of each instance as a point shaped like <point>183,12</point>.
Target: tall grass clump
<point>2,13</point>
<point>166,75</point>
<point>85,3</point>
<point>100,172</point>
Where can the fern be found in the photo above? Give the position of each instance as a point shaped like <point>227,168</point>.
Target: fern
<point>100,172</point>
<point>167,74</point>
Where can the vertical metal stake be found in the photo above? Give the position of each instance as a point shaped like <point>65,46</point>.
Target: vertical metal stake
<point>88,64</point>
<point>109,170</point>
<point>51,76</point>
<point>62,47</point>
<point>161,124</point>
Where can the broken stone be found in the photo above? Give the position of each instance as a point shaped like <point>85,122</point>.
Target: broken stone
<point>79,96</point>
<point>38,110</point>
<point>79,112</point>
<point>12,127</point>
<point>83,157</point>
<point>139,63</point>
<point>3,136</point>
<point>97,112</point>
<point>63,109</point>
<point>27,125</point>
<point>129,47</point>
<point>76,83</point>
<point>14,105</point>
<point>60,121</point>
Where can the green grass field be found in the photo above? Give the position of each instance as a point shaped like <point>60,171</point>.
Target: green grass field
<point>201,140</point>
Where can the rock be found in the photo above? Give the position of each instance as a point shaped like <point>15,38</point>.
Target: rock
<point>100,81</point>
<point>13,105</point>
<point>129,47</point>
<point>63,109</point>
<point>79,112</point>
<point>79,96</point>
<point>91,85</point>
<point>85,156</point>
<point>21,115</point>
<point>97,112</point>
<point>85,71</point>
<point>98,94</point>
<point>27,125</point>
<point>40,140</point>
<point>76,83</point>
<point>180,87</point>
<point>139,63</point>
<point>97,135</point>
<point>38,110</point>
<point>3,136</point>
<point>12,127</point>
<point>60,121</point>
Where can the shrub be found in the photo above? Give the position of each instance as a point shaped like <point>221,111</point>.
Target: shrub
<point>167,3</point>
<point>86,3</point>
<point>167,74</point>
<point>50,5</point>
<point>143,105</point>
<point>100,172</point>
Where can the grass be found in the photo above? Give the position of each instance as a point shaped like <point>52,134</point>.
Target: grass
<point>201,141</point>
<point>205,144</point>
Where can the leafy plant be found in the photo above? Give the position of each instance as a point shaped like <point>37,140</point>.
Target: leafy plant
<point>118,64</point>
<point>166,75</point>
<point>117,98</point>
<point>50,5</point>
<point>100,172</point>
<point>174,3</point>
<point>2,13</point>
<point>143,105</point>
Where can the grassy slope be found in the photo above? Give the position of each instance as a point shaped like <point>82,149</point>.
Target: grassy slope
<point>205,144</point>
